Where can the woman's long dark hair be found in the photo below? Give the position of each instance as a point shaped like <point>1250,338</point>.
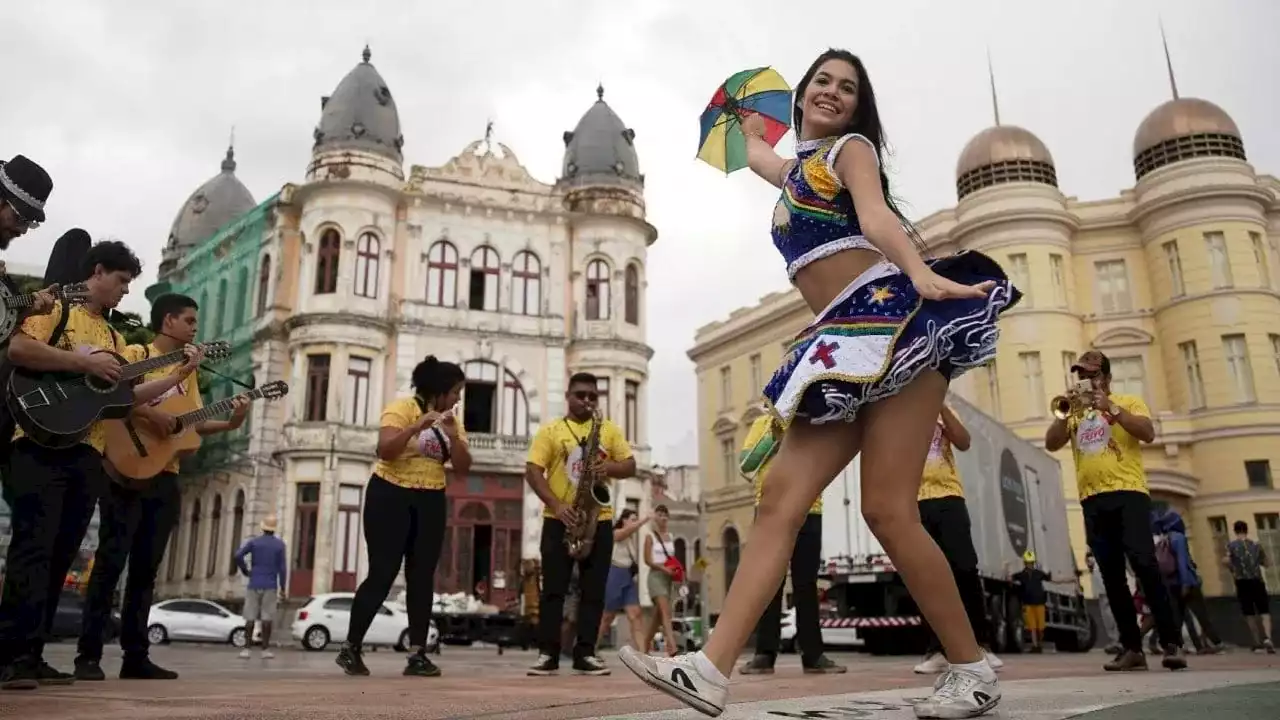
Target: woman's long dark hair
<point>865,122</point>
<point>626,515</point>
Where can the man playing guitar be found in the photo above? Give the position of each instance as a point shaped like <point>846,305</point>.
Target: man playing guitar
<point>135,523</point>
<point>54,491</point>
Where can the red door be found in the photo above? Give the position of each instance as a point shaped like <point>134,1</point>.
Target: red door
<point>346,551</point>
<point>483,540</point>
<point>306,514</point>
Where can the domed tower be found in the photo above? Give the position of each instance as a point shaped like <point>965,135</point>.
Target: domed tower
<point>1011,209</point>
<point>221,199</point>
<point>603,191</point>
<point>1202,217</point>
<point>358,137</point>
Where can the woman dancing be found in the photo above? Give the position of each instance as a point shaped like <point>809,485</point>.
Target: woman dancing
<point>869,375</point>
<point>405,508</point>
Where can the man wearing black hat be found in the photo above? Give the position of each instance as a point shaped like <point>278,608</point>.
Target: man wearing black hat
<point>24,189</point>
<point>1105,431</point>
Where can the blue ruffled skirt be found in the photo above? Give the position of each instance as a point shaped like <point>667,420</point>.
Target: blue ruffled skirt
<point>878,335</point>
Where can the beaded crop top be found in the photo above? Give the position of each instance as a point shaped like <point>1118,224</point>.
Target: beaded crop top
<point>815,217</point>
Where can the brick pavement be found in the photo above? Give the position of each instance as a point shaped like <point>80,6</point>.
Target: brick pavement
<point>476,684</point>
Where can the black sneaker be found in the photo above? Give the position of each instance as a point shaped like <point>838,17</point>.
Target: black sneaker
<point>546,665</point>
<point>23,674</point>
<point>351,661</point>
<point>49,675</point>
<point>144,669</point>
<point>758,665</point>
<point>418,665</point>
<point>89,670</point>
<point>1175,658</point>
<point>590,665</point>
<point>825,666</point>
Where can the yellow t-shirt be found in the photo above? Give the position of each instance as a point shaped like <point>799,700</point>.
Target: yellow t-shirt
<point>757,453</point>
<point>189,388</point>
<point>420,466</point>
<point>83,328</point>
<point>940,478</point>
<point>557,448</point>
<point>1107,457</point>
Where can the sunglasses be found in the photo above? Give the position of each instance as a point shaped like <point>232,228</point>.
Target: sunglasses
<point>24,222</point>
<point>587,395</point>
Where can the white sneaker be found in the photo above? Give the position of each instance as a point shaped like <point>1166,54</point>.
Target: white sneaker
<point>267,654</point>
<point>960,694</point>
<point>932,664</point>
<point>995,662</point>
<point>244,654</point>
<point>678,677</point>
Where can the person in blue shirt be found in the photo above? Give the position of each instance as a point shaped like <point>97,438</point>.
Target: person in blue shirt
<point>1181,577</point>
<point>266,582</point>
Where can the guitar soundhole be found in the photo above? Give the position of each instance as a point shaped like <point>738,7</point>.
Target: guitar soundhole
<point>99,385</point>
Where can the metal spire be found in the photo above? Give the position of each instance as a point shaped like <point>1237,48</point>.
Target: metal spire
<point>995,101</point>
<point>229,162</point>
<point>600,90</point>
<point>488,137</point>
<point>366,55</point>
<point>1168,63</point>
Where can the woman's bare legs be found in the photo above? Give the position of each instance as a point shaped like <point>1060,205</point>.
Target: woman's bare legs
<point>606,621</point>
<point>810,457</point>
<point>635,621</point>
<point>896,434</point>
<point>668,632</point>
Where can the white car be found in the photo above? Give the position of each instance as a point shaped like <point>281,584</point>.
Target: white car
<point>194,620</point>
<point>325,618</point>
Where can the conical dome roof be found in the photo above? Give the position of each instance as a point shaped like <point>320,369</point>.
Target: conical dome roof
<point>217,202</point>
<point>360,115</point>
<point>601,149</point>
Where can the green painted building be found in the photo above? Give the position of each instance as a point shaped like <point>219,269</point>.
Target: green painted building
<point>221,273</point>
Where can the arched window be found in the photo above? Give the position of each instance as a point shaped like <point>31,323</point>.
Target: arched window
<point>237,529</point>
<point>264,283</point>
<point>442,274</point>
<point>515,407</point>
<point>482,293</point>
<point>224,303</point>
<point>598,290</point>
<point>193,539</point>
<point>367,249</point>
<point>242,296</point>
<point>327,262</point>
<point>732,551</point>
<point>682,552</point>
<point>480,403</point>
<point>215,528</point>
<point>526,284</point>
<point>631,295</point>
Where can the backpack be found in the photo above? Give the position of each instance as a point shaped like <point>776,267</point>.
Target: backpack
<point>1166,560</point>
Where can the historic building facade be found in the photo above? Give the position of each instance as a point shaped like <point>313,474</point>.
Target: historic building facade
<point>1176,279</point>
<point>369,266</point>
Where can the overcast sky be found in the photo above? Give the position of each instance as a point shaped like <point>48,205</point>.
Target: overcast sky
<point>129,105</point>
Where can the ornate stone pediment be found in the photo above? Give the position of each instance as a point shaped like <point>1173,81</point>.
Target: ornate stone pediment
<point>751,414</point>
<point>1122,336</point>
<point>724,426</point>
<point>479,164</point>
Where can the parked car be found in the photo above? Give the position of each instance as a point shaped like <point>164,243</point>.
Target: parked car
<point>194,620</point>
<point>324,619</point>
<point>68,620</point>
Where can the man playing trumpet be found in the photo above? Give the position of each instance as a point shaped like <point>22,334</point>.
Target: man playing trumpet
<point>1104,431</point>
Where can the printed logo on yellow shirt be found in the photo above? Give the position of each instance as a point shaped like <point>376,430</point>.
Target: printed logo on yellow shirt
<point>1107,457</point>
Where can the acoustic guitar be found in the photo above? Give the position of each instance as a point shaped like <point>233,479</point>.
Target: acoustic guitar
<point>134,458</point>
<point>57,410</point>
<point>14,305</point>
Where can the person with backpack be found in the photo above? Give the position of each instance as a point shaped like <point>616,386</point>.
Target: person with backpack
<point>1178,570</point>
<point>1246,559</point>
<point>55,491</point>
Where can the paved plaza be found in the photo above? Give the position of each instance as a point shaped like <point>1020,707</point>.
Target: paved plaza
<point>480,683</point>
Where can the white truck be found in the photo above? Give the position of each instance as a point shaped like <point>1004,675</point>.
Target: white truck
<point>1013,490</point>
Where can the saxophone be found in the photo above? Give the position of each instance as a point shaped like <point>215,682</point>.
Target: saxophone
<point>580,535</point>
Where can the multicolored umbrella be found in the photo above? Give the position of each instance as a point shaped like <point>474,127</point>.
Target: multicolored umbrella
<point>762,92</point>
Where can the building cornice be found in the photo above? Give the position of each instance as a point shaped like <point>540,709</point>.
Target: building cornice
<point>765,314</point>
<point>379,323</point>
<point>1216,295</point>
<point>627,346</point>
<point>1237,497</point>
<point>968,226</point>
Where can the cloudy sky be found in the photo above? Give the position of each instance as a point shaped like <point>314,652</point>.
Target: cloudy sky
<point>129,104</point>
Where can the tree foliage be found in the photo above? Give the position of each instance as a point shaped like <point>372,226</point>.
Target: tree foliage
<point>131,327</point>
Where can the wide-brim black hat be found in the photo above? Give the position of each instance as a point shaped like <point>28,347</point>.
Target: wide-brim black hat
<point>26,186</point>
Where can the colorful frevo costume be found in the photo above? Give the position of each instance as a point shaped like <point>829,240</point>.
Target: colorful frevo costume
<point>879,334</point>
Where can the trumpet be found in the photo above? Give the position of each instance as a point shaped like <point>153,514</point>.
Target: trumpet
<point>1077,400</point>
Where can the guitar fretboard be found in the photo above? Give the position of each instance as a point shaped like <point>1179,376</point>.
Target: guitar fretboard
<point>142,367</point>
<point>221,407</point>
<point>26,300</point>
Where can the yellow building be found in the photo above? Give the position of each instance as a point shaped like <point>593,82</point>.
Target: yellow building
<point>1177,280</point>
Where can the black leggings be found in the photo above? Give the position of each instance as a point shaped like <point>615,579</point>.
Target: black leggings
<point>946,519</point>
<point>399,524</point>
